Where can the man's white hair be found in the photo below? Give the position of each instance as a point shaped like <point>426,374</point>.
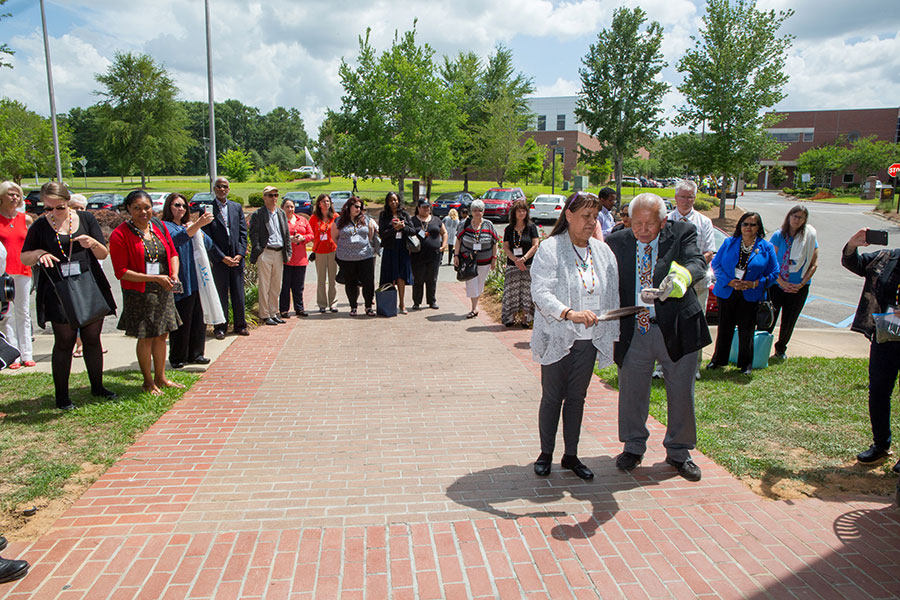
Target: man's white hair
<point>648,200</point>
<point>687,185</point>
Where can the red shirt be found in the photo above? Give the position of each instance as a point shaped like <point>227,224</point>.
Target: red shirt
<point>300,226</point>
<point>12,236</point>
<point>319,229</point>
<point>127,252</point>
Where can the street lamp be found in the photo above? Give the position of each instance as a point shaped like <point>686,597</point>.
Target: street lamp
<point>554,145</point>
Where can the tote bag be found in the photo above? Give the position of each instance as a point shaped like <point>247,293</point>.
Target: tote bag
<point>79,296</point>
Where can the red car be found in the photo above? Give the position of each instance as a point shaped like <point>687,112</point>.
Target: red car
<point>498,201</point>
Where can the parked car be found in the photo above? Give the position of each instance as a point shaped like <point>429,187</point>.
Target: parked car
<point>712,306</point>
<point>311,172</point>
<point>339,199</point>
<point>441,207</point>
<point>630,182</point>
<point>158,199</point>
<point>498,201</point>
<point>202,199</point>
<point>302,202</point>
<point>106,201</point>
<point>547,207</point>
<point>33,202</point>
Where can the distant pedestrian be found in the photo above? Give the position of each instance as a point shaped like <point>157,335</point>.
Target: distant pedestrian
<point>427,261</point>
<point>607,202</point>
<point>324,249</point>
<point>451,224</point>
<point>477,237</point>
<point>574,281</point>
<point>353,233</point>
<point>396,267</point>
<point>520,243</point>
<point>745,267</point>
<point>295,268</point>
<point>797,253</point>
<point>625,223</point>
<point>880,296</point>
<point>355,189</point>
<point>270,249</point>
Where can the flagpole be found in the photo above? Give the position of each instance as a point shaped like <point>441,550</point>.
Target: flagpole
<point>212,109</point>
<point>59,176</point>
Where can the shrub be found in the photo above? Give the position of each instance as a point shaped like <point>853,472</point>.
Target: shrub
<point>701,205</point>
<point>236,198</point>
<point>496,280</point>
<point>255,199</point>
<point>788,191</point>
<point>236,165</point>
<point>269,174</point>
<point>109,220</point>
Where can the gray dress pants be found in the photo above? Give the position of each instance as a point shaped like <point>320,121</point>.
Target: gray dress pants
<point>564,385</point>
<point>635,377</point>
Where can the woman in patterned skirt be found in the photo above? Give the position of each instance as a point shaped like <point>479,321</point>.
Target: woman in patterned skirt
<point>146,263</point>
<point>520,243</point>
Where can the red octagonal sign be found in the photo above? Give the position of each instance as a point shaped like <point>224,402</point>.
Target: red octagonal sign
<point>894,170</point>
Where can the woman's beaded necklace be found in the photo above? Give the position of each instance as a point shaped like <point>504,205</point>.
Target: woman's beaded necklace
<point>583,265</point>
<point>154,257</point>
<point>56,231</point>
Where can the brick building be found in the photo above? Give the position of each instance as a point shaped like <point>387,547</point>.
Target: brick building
<point>806,129</point>
<point>555,124</point>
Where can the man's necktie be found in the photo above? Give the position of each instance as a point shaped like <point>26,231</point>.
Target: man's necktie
<point>643,317</point>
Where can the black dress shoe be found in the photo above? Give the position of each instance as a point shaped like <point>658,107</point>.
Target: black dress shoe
<point>628,461</point>
<point>285,315</point>
<point>2,543</point>
<point>10,570</point>
<point>279,320</point>
<point>244,332</point>
<point>220,335</point>
<point>433,306</point>
<point>712,366</point>
<point>302,313</point>
<point>542,464</point>
<point>199,360</point>
<point>176,364</point>
<point>687,469</point>
<point>270,321</point>
<point>105,393</point>
<point>873,454</point>
<point>65,405</point>
<point>576,466</point>
<point>416,307</point>
<point>896,469</point>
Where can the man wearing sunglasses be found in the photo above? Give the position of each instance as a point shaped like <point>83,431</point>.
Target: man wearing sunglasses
<point>270,248</point>
<point>228,232</point>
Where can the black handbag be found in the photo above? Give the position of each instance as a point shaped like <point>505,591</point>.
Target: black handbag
<point>386,300</point>
<point>765,315</point>
<point>79,296</point>
<point>413,243</point>
<point>468,267</point>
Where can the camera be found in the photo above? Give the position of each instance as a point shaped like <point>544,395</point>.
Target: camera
<point>7,293</point>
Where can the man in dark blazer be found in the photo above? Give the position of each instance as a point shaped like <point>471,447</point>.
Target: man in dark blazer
<point>270,248</point>
<point>228,232</point>
<point>671,329</point>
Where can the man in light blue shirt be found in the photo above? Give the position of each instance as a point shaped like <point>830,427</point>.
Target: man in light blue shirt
<point>607,201</point>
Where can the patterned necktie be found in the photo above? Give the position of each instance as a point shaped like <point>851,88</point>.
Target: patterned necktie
<point>643,317</point>
<point>684,219</point>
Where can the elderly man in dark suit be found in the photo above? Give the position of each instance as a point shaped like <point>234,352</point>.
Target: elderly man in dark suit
<point>270,248</point>
<point>658,260</point>
<point>228,232</point>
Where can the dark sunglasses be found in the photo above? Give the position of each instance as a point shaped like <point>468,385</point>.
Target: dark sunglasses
<point>178,205</point>
<point>61,207</point>
<point>749,224</point>
<point>271,195</point>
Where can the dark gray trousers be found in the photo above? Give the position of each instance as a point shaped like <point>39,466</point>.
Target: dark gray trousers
<point>564,385</point>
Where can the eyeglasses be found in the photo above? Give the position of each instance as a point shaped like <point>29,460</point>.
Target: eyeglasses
<point>61,207</point>
<point>749,224</point>
<point>270,195</point>
<point>221,187</point>
<point>178,205</point>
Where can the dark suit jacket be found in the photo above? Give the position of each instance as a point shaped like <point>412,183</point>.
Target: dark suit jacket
<point>223,243</point>
<point>681,320</point>
<point>259,233</point>
<point>880,287</point>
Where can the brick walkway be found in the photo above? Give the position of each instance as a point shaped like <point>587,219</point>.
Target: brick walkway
<point>391,458</point>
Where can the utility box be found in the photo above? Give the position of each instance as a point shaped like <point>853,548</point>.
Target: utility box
<point>565,186</point>
<point>581,183</point>
<point>887,194</point>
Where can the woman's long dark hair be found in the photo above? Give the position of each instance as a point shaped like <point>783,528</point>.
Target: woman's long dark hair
<point>786,226</point>
<point>344,219</point>
<point>167,209</point>
<point>760,230</point>
<point>317,211</point>
<point>575,202</point>
<point>387,214</point>
<point>513,211</point>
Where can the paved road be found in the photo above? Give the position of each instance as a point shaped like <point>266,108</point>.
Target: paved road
<point>835,291</point>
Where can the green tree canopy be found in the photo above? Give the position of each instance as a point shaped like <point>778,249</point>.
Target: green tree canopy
<point>142,125</point>
<point>620,96</point>
<point>497,138</point>
<point>235,164</point>
<point>531,162</point>
<point>869,156</point>
<point>732,74</point>
<point>822,161</point>
<point>4,48</point>
<point>26,140</point>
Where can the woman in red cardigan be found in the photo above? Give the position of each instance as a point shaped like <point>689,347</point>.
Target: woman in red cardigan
<point>146,263</point>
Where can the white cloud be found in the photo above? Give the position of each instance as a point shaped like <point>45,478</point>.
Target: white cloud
<point>560,87</point>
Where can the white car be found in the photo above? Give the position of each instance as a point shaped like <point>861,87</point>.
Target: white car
<point>546,207</point>
<point>339,199</point>
<point>158,199</point>
<point>312,172</point>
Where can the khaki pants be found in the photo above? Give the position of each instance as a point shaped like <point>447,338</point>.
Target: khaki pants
<point>270,269</point>
<point>326,264</point>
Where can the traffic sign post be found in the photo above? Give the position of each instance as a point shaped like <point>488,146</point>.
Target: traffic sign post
<point>894,170</point>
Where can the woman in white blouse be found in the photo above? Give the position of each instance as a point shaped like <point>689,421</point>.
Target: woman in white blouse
<point>574,280</point>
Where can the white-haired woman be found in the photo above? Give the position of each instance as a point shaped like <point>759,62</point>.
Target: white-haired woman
<point>477,236</point>
<point>13,227</point>
<point>574,279</point>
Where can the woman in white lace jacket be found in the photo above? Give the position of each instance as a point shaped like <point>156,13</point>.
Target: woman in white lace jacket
<point>574,279</point>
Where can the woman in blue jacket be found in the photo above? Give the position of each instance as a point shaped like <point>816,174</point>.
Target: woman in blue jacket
<point>745,266</point>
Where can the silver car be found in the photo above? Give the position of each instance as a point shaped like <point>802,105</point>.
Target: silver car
<point>339,199</point>
<point>546,207</point>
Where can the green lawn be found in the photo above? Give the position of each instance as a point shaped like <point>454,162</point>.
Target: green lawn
<point>42,448</point>
<point>803,419</point>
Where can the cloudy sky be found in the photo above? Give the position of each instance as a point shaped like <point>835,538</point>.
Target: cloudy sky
<point>287,52</point>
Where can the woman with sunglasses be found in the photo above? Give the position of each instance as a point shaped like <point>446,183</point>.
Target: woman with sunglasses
<point>63,242</point>
<point>146,263</point>
<point>324,253</point>
<point>745,266</point>
<point>187,344</point>
<point>353,232</point>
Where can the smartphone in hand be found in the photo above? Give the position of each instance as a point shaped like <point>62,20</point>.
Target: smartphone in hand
<point>877,237</point>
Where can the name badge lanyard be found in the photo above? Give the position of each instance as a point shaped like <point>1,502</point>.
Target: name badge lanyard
<point>154,257</point>
<point>476,245</point>
<point>65,270</point>
<point>517,243</point>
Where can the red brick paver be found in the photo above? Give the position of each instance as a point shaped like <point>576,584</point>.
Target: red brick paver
<point>340,457</point>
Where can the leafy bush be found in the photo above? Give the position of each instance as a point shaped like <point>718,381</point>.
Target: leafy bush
<point>496,280</point>
<point>255,199</point>
<point>236,165</point>
<point>188,195</point>
<point>269,174</point>
<point>702,205</point>
<point>236,198</point>
<point>788,191</point>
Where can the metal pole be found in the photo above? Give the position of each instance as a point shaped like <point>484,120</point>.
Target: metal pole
<point>212,109</point>
<point>59,176</point>
<point>553,177</point>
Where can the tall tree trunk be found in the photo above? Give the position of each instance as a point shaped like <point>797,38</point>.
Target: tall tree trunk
<point>400,185</point>
<point>465,179</point>
<point>428,183</point>
<point>722,196</point>
<point>618,173</point>
<point>143,180</point>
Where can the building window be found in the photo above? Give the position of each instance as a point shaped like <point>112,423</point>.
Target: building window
<point>542,123</point>
<point>786,137</point>
<point>560,122</point>
<point>808,137</point>
<point>848,178</point>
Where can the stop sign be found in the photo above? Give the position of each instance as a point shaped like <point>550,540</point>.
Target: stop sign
<point>894,170</point>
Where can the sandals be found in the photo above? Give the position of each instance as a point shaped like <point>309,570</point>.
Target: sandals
<point>77,354</point>
<point>403,311</point>
<point>472,314</point>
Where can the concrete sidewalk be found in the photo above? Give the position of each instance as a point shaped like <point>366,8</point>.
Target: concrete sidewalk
<point>304,464</point>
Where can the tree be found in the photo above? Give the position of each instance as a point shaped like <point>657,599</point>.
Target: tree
<point>27,142</point>
<point>282,157</point>
<point>497,138</point>
<point>732,74</point>
<point>531,163</point>
<point>142,125</point>
<point>282,127</point>
<point>4,48</point>
<point>547,177</point>
<point>820,162</point>
<point>620,96</point>
<point>85,136</point>
<point>870,156</point>
<point>236,165</point>
<point>777,175</point>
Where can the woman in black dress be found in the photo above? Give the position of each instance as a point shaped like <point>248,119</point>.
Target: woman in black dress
<point>393,226</point>
<point>425,262</point>
<point>64,242</point>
